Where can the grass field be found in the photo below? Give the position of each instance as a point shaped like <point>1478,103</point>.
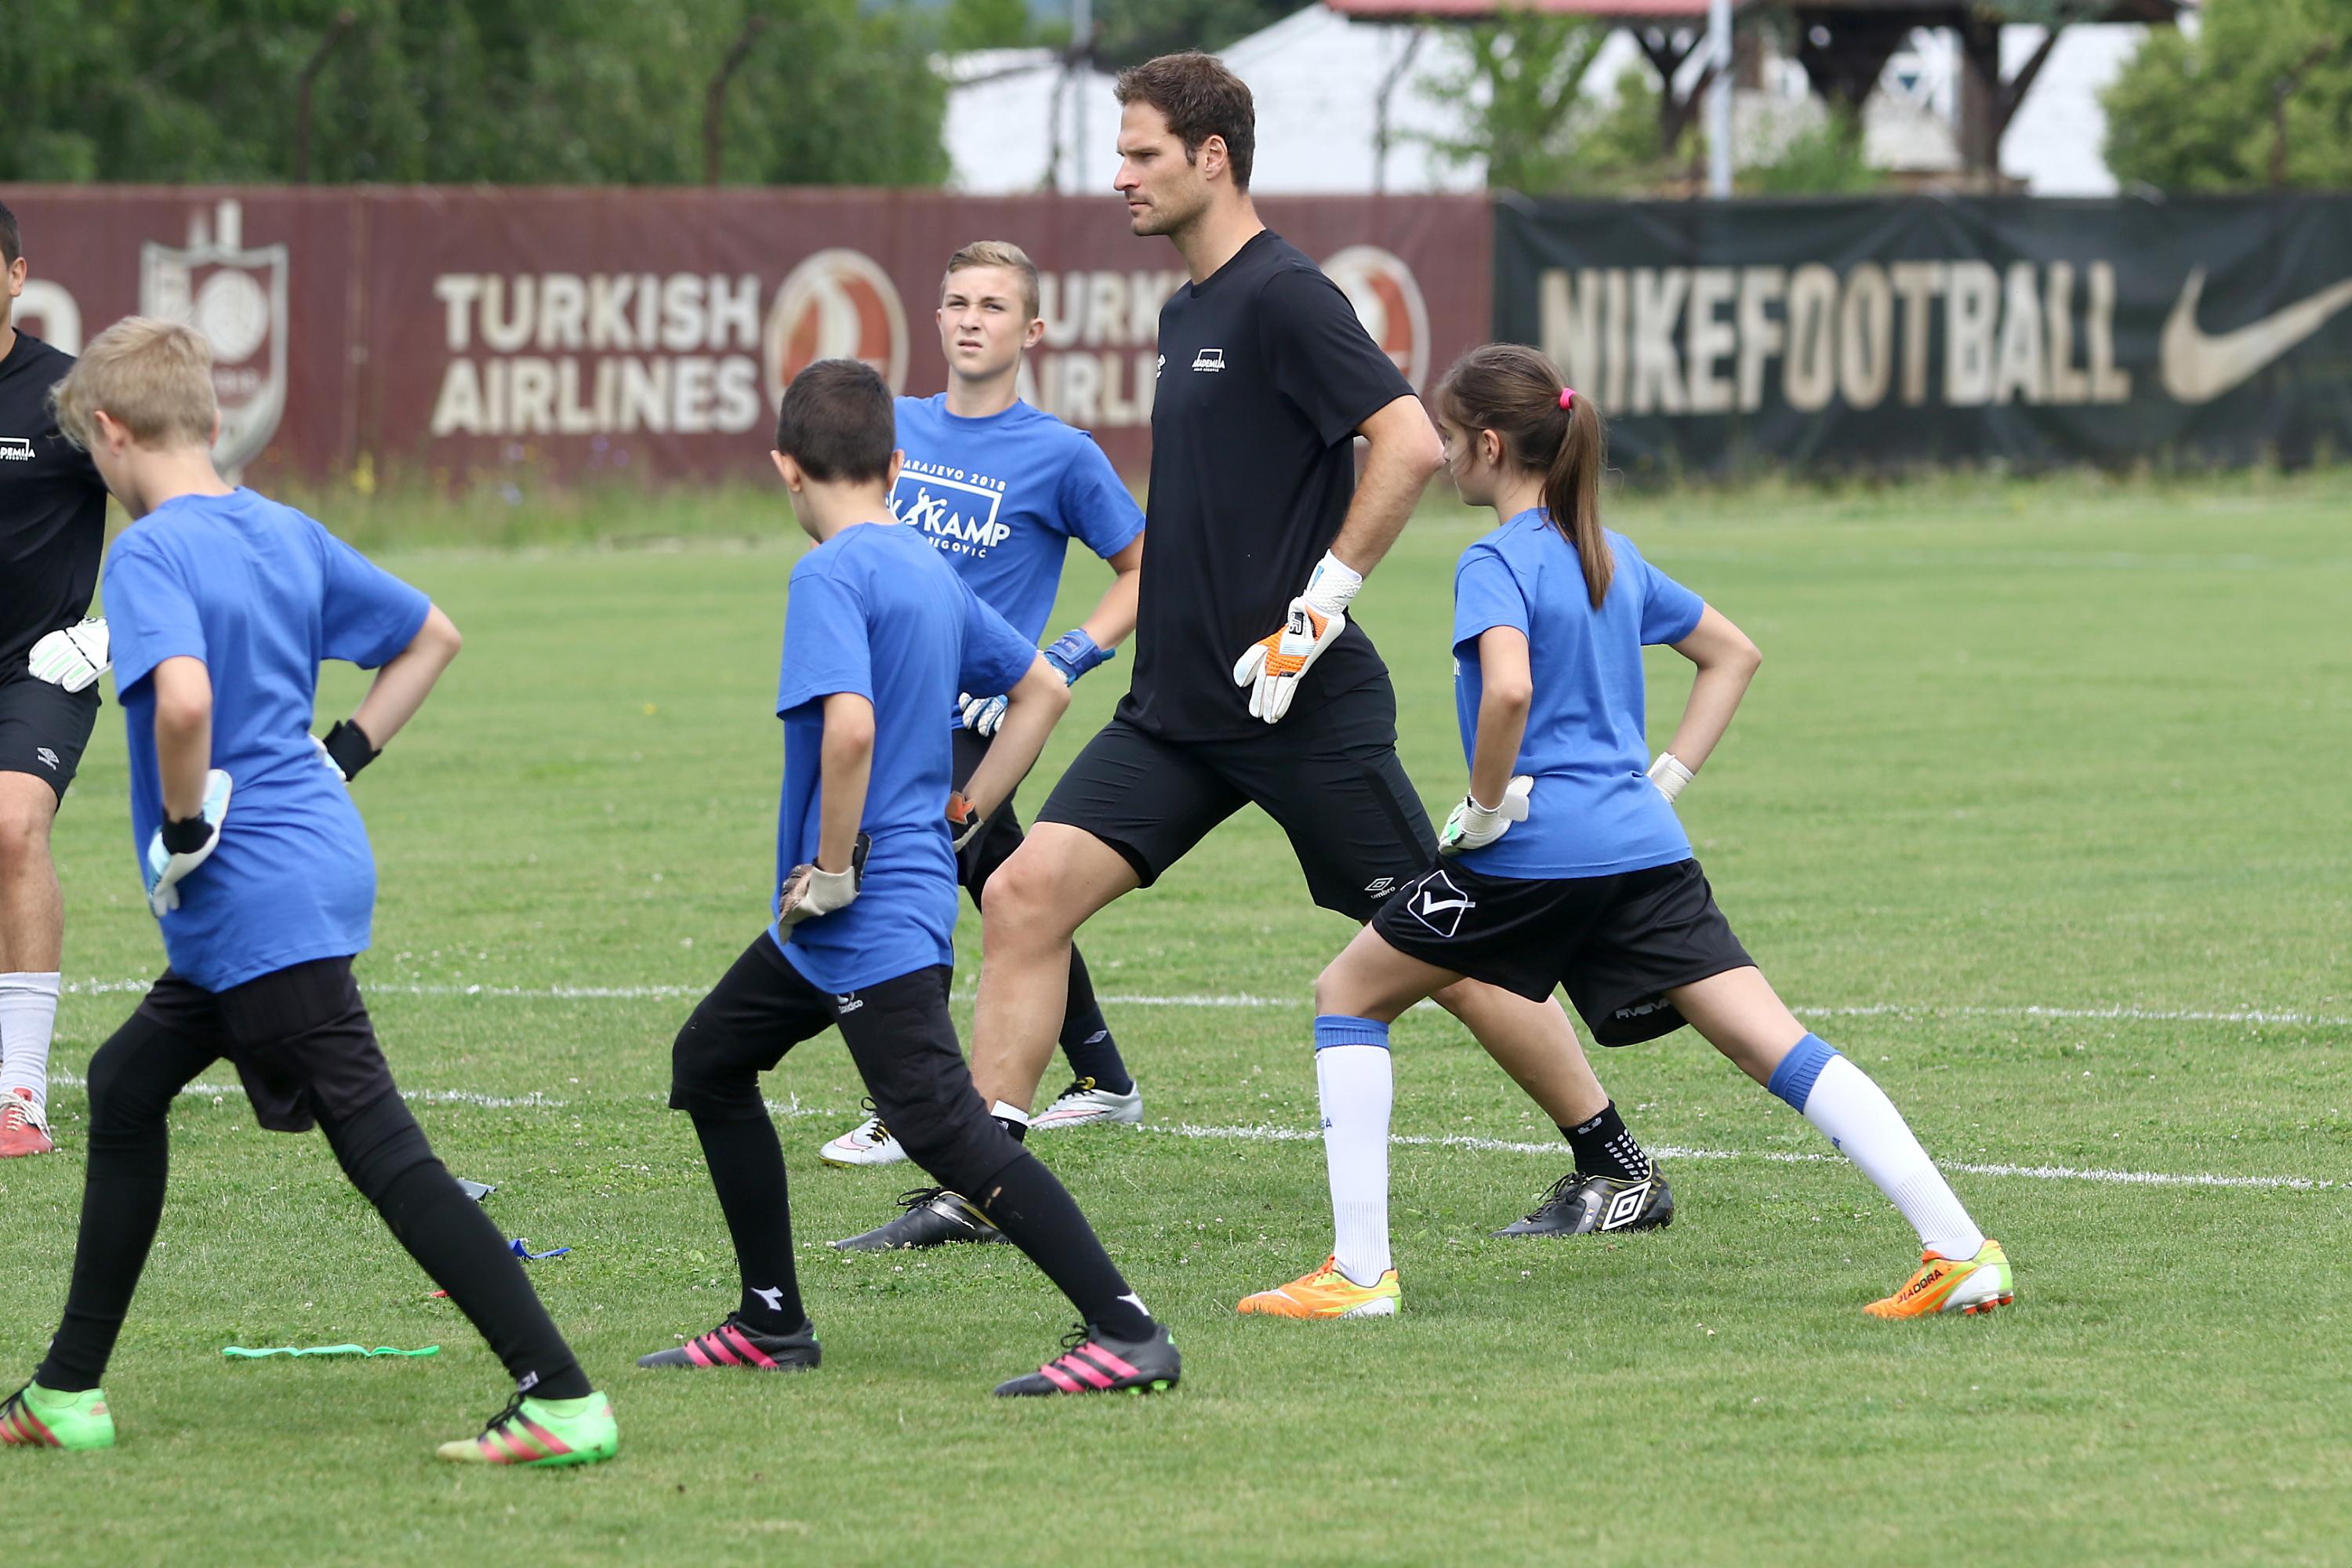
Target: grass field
<point>2037,810</point>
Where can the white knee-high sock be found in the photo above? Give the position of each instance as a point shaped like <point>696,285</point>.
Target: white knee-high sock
<point>1352,1079</point>
<point>29,1015</point>
<point>1854,1113</point>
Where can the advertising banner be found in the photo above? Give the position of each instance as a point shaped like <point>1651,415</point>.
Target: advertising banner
<point>1858,333</point>
<point>470,334</point>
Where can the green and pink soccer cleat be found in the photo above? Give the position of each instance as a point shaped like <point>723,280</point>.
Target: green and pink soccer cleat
<point>542,1433</point>
<point>38,1417</point>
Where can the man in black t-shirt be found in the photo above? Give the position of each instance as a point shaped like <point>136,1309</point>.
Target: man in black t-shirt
<point>52,528</point>
<point>1251,684</point>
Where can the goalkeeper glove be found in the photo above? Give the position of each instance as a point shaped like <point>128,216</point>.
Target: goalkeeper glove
<point>981,715</point>
<point>1473,827</point>
<point>1669,774</point>
<point>1277,662</point>
<point>73,658</point>
<point>964,821</point>
<point>346,750</point>
<point>179,846</point>
<point>1074,653</point>
<point>809,892</point>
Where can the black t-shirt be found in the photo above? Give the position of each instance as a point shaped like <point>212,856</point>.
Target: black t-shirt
<point>52,507</point>
<point>1265,375</point>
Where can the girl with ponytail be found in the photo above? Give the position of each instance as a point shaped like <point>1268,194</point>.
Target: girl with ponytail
<point>1578,874</point>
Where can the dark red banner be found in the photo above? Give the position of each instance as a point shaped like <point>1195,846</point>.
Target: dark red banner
<point>466,334</point>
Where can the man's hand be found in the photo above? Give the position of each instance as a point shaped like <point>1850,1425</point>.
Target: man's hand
<point>810,892</point>
<point>1473,827</point>
<point>1277,663</point>
<point>964,819</point>
<point>179,847</point>
<point>73,658</point>
<point>1074,653</point>
<point>981,715</point>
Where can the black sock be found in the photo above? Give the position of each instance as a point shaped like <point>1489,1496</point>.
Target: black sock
<point>1085,1039</point>
<point>1019,1128</point>
<point>1603,1147</point>
<point>746,1167</point>
<point>385,1153</point>
<point>1042,1219</point>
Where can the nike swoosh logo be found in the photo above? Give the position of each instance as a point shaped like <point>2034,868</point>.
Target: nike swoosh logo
<point>2199,366</point>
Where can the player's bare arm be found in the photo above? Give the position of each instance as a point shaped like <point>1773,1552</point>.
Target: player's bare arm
<point>1033,707</point>
<point>1404,455</point>
<point>399,689</point>
<point>1113,619</point>
<point>847,768</point>
<point>1727,662</point>
<point>183,733</point>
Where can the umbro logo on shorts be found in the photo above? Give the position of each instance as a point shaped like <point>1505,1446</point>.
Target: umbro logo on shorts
<point>1438,904</point>
<point>15,449</point>
<point>1208,359</point>
<point>48,758</point>
<point>1380,887</point>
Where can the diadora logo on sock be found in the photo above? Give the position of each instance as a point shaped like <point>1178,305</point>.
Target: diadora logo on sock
<point>772,1299</point>
<point>1626,1207</point>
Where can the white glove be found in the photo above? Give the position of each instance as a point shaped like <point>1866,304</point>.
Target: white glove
<point>809,892</point>
<point>166,869</point>
<point>1473,827</point>
<point>1669,774</point>
<point>1277,662</point>
<point>981,715</point>
<point>73,658</point>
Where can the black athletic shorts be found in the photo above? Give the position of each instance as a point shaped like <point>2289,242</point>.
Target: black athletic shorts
<point>299,1037</point>
<point>993,845</point>
<point>1330,776</point>
<point>44,728</point>
<point>1618,944</point>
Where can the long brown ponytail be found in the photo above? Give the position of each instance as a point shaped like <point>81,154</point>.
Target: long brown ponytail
<point>1517,391</point>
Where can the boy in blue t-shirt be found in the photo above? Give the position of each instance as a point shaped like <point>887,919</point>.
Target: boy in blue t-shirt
<point>222,605</point>
<point>1001,489</point>
<point>879,636</point>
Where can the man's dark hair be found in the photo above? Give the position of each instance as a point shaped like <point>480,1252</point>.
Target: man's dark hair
<point>1199,99</point>
<point>837,422</point>
<point>12,243</point>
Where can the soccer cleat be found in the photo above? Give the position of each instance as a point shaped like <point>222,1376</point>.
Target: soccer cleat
<point>1579,1205</point>
<point>1326,1293</point>
<point>868,1144</point>
<point>34,1418</point>
<point>1097,1363</point>
<point>934,1217</point>
<point>24,1127</point>
<point>1084,1105</point>
<point>542,1433</point>
<point>732,1345</point>
<point>1968,1286</point>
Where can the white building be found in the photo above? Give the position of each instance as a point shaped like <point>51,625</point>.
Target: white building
<point>1018,121</point>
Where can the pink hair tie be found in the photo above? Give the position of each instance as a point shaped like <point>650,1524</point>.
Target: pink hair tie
<point>1567,397</point>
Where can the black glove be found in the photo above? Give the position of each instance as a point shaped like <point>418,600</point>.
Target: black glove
<point>349,749</point>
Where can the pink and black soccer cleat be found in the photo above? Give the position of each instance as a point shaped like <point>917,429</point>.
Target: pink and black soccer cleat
<point>732,1345</point>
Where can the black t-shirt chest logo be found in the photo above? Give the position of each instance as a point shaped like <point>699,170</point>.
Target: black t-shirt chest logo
<point>15,449</point>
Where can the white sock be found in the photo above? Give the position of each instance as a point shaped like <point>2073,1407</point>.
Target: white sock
<point>1863,1123</point>
<point>1357,1088</point>
<point>29,1015</point>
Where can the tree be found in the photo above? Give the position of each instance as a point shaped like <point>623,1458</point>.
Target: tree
<point>574,91</point>
<point>2261,96</point>
<point>1128,32</point>
<point>1517,97</point>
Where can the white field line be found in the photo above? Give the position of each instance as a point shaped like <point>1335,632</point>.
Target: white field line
<point>1268,1133</point>
<point>2118,1013</point>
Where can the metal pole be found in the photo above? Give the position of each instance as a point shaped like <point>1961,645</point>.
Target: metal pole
<point>1718,99</point>
<point>1081,54</point>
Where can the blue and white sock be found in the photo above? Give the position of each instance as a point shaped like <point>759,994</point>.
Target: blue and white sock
<point>1353,1079</point>
<point>1860,1121</point>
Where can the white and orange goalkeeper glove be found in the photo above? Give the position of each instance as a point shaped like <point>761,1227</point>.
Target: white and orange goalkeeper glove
<point>1277,662</point>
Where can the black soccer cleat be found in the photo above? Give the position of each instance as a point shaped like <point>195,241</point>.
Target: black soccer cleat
<point>732,1345</point>
<point>1091,1363</point>
<point>1579,1205</point>
<point>934,1217</point>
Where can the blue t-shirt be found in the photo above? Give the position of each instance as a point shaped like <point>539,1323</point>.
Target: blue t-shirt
<point>1594,811</point>
<point>1003,497</point>
<point>875,611</point>
<point>261,594</point>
